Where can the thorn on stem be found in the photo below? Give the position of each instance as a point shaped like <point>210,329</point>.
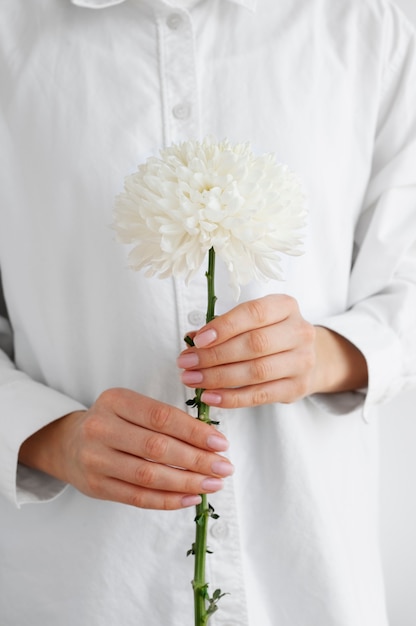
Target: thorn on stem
<point>189,341</point>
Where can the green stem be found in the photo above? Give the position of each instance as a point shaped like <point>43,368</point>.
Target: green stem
<point>200,586</point>
<point>211,286</point>
<point>199,583</point>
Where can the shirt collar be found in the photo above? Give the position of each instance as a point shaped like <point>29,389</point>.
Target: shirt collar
<point>102,4</point>
<point>96,4</point>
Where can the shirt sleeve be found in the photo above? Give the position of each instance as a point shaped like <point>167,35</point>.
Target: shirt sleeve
<point>26,406</point>
<point>380,319</point>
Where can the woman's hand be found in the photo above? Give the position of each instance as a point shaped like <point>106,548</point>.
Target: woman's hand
<point>132,449</point>
<point>264,351</point>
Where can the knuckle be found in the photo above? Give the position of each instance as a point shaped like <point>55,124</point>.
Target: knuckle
<point>84,460</point>
<point>159,417</point>
<point>289,302</point>
<point>257,311</point>
<point>234,401</point>
<point>91,427</point>
<point>167,504</point>
<point>305,359</point>
<point>110,397</point>
<point>228,326</point>
<point>300,387</point>
<point>137,499</point>
<point>296,389</point>
<point>145,474</point>
<point>307,332</point>
<point>155,447</point>
<point>140,499</point>
<point>215,355</point>
<point>309,360</point>
<point>199,461</point>
<point>260,370</point>
<point>188,485</point>
<point>261,396</point>
<point>216,378</point>
<point>258,342</point>
<point>93,486</point>
<point>194,434</point>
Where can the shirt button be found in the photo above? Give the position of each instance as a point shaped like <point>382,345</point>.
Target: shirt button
<point>182,111</point>
<point>220,530</point>
<point>174,21</point>
<point>196,318</point>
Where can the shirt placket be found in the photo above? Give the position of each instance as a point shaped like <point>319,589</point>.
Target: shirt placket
<point>178,74</point>
<point>181,121</point>
<point>225,566</point>
<point>181,113</point>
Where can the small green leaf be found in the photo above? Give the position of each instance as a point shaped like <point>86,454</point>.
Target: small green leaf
<point>211,512</point>
<point>191,550</point>
<point>217,595</point>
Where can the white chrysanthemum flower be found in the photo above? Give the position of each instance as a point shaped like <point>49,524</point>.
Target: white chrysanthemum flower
<point>199,195</point>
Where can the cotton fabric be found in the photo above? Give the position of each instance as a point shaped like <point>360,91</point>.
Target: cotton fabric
<point>86,95</point>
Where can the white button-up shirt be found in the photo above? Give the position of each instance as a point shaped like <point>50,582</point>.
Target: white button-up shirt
<point>85,96</point>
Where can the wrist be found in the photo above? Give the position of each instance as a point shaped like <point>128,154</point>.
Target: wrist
<point>339,365</point>
<point>46,449</point>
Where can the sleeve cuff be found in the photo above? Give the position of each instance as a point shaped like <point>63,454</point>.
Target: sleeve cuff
<point>383,352</point>
<point>33,486</point>
<point>341,403</point>
<point>28,406</point>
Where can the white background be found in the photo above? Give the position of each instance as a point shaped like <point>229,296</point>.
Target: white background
<point>398,507</point>
<point>398,489</point>
<point>409,7</point>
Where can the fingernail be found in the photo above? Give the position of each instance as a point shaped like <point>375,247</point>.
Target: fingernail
<point>191,378</point>
<point>219,444</point>
<point>187,360</point>
<point>205,338</point>
<point>212,484</point>
<point>191,500</point>
<point>222,468</point>
<point>209,397</point>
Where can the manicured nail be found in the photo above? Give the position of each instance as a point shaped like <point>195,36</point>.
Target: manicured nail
<point>219,444</point>
<point>191,500</point>
<point>209,397</point>
<point>191,377</point>
<point>205,338</point>
<point>187,359</point>
<point>222,468</point>
<point>212,484</point>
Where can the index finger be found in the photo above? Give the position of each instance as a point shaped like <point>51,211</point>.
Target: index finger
<point>163,418</point>
<point>244,317</point>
